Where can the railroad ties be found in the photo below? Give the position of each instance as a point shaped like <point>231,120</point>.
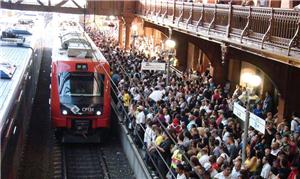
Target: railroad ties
<point>57,163</point>
<point>79,161</point>
<point>84,161</point>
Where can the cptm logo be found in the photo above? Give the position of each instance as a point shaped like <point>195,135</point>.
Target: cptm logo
<point>87,109</point>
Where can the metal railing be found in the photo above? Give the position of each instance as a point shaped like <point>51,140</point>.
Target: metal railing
<point>266,27</point>
<point>135,133</point>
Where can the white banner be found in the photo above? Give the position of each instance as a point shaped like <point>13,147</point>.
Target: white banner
<point>256,122</point>
<point>153,66</point>
<point>239,111</point>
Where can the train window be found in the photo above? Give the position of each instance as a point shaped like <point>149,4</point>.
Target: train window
<point>81,84</point>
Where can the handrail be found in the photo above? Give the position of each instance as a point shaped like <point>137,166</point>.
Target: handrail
<point>267,27</point>
<point>117,101</point>
<point>179,74</point>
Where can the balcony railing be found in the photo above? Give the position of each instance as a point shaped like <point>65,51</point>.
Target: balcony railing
<point>266,28</point>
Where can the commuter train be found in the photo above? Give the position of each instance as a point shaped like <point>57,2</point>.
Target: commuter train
<point>20,59</point>
<point>80,88</point>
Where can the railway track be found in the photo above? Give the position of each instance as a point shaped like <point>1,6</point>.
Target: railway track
<point>94,161</point>
<point>79,161</point>
<point>84,161</point>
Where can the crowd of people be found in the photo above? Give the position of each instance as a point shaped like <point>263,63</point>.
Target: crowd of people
<point>188,129</point>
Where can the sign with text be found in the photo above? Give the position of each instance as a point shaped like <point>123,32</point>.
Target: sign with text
<point>153,66</point>
<point>256,122</point>
<point>239,111</point>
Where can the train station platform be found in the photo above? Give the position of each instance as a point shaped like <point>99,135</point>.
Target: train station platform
<point>184,124</point>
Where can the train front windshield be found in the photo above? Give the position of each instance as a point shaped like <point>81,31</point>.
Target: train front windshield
<point>80,84</point>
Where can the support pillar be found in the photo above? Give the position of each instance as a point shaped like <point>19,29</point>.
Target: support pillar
<point>121,35</point>
<point>234,73</point>
<point>181,49</point>
<point>280,109</point>
<point>219,74</point>
<point>291,102</point>
<point>128,21</point>
<point>190,56</point>
<point>221,69</point>
<point>205,63</point>
<point>277,4</point>
<point>128,36</point>
<point>196,57</point>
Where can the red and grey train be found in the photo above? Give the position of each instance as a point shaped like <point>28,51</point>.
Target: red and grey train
<point>80,89</point>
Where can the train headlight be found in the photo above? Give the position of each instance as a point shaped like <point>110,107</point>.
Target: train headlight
<point>64,112</point>
<point>98,113</point>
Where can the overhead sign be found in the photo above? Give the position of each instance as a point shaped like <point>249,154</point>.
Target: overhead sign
<point>256,122</point>
<point>239,111</point>
<point>153,66</point>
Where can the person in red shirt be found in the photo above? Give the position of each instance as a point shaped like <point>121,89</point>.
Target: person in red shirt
<point>220,117</point>
<point>294,171</point>
<point>175,125</point>
<point>213,161</point>
<point>216,96</point>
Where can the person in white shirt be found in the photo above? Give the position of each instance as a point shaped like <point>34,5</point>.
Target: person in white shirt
<point>136,96</point>
<point>275,148</point>
<point>225,174</point>
<point>216,137</point>
<point>140,117</point>
<point>236,169</point>
<point>204,156</point>
<point>294,123</point>
<point>180,172</point>
<point>150,116</point>
<point>237,91</point>
<point>132,90</point>
<point>166,115</point>
<point>225,135</point>
<point>223,155</point>
<point>147,91</point>
<point>182,103</point>
<point>212,172</point>
<point>202,107</point>
<point>265,172</point>
<point>149,134</point>
<point>191,123</point>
